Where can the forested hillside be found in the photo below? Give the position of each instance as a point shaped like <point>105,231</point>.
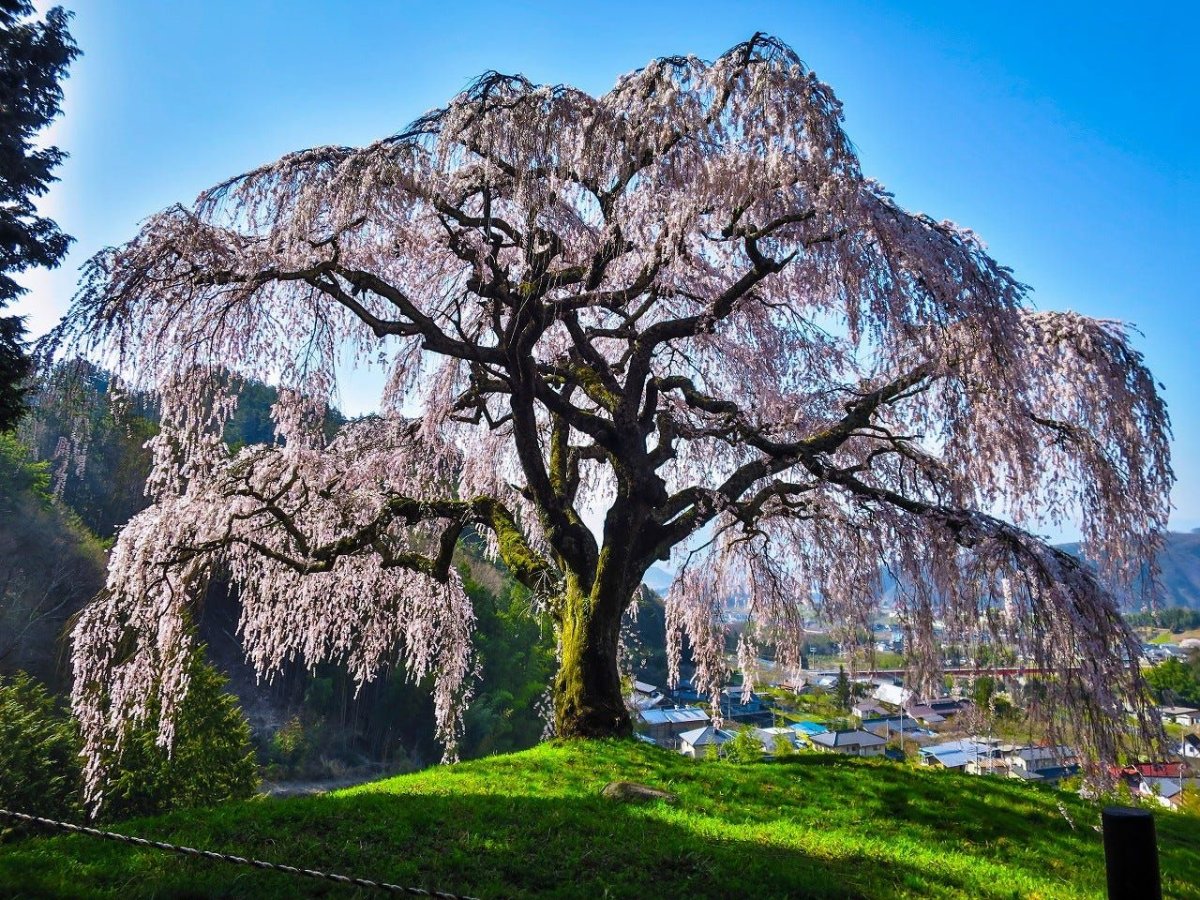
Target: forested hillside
<point>50,565</point>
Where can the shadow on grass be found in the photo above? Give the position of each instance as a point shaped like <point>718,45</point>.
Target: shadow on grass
<point>486,846</point>
<point>814,826</point>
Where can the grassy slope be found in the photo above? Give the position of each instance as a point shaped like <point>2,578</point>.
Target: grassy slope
<point>534,823</point>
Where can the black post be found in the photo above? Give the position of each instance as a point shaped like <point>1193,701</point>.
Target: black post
<point>1131,854</point>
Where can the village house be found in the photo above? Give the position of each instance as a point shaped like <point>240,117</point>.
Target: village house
<point>664,725</point>
<point>1167,791</point>
<point>1189,719</point>
<point>748,711</point>
<point>867,709</point>
<point>888,727</point>
<point>926,715</point>
<point>1190,746</point>
<point>957,755</point>
<point>947,706</point>
<point>1180,715</point>
<point>805,731</point>
<point>892,694</point>
<point>703,742</point>
<point>793,685</point>
<point>851,743</point>
<point>771,737</point>
<point>937,710</point>
<point>645,696</point>
<point>986,765</point>
<point>1044,764</point>
<point>1162,782</point>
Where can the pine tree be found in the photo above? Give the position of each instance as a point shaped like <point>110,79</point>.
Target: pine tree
<point>843,689</point>
<point>34,56</point>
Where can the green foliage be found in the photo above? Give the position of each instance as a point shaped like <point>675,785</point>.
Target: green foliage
<point>983,691</point>
<point>20,476</point>
<point>744,748</point>
<point>535,824</point>
<point>39,751</point>
<point>50,565</point>
<point>109,437</point>
<point>886,659</point>
<point>1189,803</point>
<point>816,705</point>
<point>97,445</point>
<point>211,761</point>
<point>288,749</point>
<point>516,657</point>
<point>1003,707</point>
<point>1175,682</point>
<point>1175,619</point>
<point>842,691</point>
<point>784,747</point>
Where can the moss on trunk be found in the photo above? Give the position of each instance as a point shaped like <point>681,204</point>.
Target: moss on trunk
<point>588,702</point>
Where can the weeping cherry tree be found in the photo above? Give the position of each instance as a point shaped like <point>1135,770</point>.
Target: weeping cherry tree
<point>673,322</point>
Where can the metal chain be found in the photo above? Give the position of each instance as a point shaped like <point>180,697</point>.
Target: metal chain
<point>226,857</point>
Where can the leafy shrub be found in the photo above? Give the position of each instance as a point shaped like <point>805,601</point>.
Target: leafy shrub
<point>288,749</point>
<point>784,746</point>
<point>744,748</point>
<point>39,752</point>
<point>1176,682</point>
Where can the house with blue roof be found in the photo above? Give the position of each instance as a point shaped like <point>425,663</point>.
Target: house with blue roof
<point>806,730</point>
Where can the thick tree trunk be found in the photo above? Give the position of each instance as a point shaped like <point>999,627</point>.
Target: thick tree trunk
<point>588,702</point>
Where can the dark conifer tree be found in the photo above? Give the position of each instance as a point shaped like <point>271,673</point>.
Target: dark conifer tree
<point>34,55</point>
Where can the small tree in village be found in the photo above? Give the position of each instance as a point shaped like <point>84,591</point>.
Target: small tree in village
<point>671,322</point>
<point>843,690</point>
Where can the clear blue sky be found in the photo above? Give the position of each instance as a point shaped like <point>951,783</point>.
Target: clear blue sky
<point>1064,134</point>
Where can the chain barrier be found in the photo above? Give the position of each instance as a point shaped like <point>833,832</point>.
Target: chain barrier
<point>230,858</point>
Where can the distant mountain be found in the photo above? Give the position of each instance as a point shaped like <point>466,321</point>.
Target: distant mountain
<point>1180,564</point>
<point>658,579</point>
<point>1179,561</point>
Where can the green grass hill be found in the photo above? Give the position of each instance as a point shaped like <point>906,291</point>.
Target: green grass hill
<point>535,823</point>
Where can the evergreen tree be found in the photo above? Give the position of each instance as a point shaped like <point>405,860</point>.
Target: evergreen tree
<point>843,689</point>
<point>39,751</point>
<point>210,762</point>
<point>34,56</point>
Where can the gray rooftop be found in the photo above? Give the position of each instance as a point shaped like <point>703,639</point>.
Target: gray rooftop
<point>684,715</point>
<point>702,737</point>
<point>847,739</point>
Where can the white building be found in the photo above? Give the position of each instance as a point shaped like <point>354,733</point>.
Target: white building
<point>893,694</point>
<point>702,742</point>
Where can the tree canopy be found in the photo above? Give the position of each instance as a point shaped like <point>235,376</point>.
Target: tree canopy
<point>34,56</point>
<point>678,312</point>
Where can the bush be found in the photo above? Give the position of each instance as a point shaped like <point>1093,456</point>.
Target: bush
<point>39,752</point>
<point>784,746</point>
<point>744,748</point>
<point>212,759</point>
